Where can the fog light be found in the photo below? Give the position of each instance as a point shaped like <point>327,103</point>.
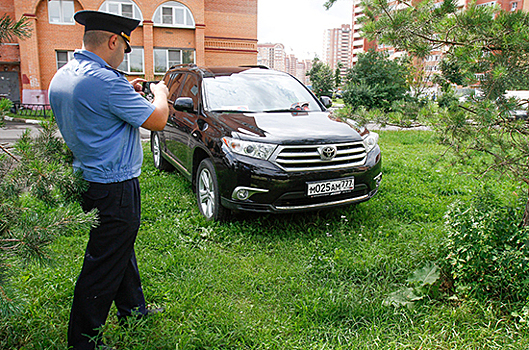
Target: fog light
<point>378,179</point>
<point>242,194</point>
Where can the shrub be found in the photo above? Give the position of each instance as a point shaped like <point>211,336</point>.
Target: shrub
<point>5,106</point>
<point>487,252</point>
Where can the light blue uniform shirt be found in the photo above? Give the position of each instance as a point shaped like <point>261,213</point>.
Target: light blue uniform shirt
<point>99,115</point>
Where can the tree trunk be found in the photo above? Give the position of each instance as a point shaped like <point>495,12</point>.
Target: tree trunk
<point>525,219</point>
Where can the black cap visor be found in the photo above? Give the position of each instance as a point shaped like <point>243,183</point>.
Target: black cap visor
<point>95,20</point>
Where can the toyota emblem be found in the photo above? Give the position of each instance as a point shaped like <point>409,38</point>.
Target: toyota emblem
<point>327,152</point>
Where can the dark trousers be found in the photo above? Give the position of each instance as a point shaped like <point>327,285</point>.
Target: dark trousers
<point>110,272</point>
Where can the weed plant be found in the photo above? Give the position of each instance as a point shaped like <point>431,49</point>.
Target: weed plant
<point>315,280</point>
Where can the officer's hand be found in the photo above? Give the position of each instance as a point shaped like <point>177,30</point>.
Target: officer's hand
<point>137,85</point>
<point>160,89</point>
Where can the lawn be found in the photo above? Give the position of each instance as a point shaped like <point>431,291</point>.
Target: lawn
<point>305,281</point>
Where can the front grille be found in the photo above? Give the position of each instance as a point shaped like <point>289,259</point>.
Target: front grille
<point>308,158</point>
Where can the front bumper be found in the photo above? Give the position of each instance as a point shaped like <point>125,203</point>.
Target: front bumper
<point>278,191</point>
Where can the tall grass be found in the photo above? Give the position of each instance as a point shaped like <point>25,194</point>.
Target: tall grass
<point>305,281</point>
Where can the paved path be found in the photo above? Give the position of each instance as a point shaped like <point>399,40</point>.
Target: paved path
<point>13,129</point>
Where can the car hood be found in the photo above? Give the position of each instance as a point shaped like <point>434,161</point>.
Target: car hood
<point>291,127</point>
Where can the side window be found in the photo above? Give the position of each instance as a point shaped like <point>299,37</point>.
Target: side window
<point>190,89</point>
<point>174,83</point>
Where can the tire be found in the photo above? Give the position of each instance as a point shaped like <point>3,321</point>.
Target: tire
<point>156,147</point>
<point>208,194</point>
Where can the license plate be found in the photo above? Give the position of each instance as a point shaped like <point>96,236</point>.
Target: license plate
<point>325,188</point>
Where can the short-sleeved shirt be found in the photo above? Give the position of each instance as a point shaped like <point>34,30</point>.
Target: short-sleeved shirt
<point>99,114</point>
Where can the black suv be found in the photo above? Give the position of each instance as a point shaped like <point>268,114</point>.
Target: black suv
<point>256,139</point>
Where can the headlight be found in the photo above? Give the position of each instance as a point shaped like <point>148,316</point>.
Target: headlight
<point>250,149</point>
<point>370,141</point>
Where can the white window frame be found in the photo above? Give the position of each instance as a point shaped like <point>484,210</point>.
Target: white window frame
<point>491,3</point>
<point>125,65</point>
<point>167,65</point>
<point>109,5</point>
<point>63,5</point>
<point>188,21</point>
<point>68,58</point>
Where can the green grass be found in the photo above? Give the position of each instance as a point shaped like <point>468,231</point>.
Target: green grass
<point>306,281</point>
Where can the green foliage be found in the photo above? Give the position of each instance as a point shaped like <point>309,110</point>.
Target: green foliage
<point>322,78</point>
<point>482,46</point>
<point>405,113</point>
<point>486,251</point>
<point>376,82</point>
<point>39,196</point>
<point>5,106</point>
<point>424,285</point>
<point>10,29</point>
<point>338,75</point>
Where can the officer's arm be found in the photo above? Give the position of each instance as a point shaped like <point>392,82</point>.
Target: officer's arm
<point>158,118</point>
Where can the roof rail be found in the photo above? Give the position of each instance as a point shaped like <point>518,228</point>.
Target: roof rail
<point>190,65</point>
<point>262,66</point>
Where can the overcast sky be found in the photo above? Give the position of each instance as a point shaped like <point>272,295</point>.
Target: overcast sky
<point>300,24</point>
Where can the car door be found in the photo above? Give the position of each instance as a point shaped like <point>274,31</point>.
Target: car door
<point>183,124</point>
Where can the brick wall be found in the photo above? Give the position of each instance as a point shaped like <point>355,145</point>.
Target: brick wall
<point>228,26</point>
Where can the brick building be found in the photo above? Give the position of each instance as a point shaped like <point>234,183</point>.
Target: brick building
<point>205,32</point>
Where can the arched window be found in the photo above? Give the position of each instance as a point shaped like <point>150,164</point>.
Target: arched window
<point>125,8</point>
<point>173,14</point>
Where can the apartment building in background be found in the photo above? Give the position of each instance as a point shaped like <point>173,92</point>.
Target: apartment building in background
<point>205,32</point>
<point>273,55</point>
<point>359,44</point>
<point>337,44</point>
<point>298,68</point>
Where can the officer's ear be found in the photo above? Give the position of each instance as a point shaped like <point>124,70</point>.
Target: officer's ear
<point>113,41</point>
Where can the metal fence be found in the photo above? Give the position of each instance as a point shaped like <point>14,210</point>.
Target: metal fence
<point>31,110</point>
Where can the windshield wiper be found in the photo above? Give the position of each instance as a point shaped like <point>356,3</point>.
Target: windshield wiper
<point>295,107</point>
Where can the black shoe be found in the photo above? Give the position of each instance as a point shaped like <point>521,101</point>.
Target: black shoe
<point>124,320</point>
<point>154,311</point>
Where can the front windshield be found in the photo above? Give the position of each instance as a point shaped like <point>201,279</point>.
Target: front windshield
<point>257,92</point>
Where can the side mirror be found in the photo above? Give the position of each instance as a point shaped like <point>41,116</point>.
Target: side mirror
<point>326,100</point>
<point>184,104</point>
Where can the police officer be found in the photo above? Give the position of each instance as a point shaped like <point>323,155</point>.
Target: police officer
<point>99,114</point>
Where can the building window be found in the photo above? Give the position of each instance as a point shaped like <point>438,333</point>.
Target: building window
<point>492,3</point>
<point>63,57</point>
<point>133,62</point>
<point>166,58</point>
<point>60,11</point>
<point>514,6</point>
<point>173,14</point>
<point>125,8</point>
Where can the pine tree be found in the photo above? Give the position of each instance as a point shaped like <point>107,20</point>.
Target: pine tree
<point>39,201</point>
